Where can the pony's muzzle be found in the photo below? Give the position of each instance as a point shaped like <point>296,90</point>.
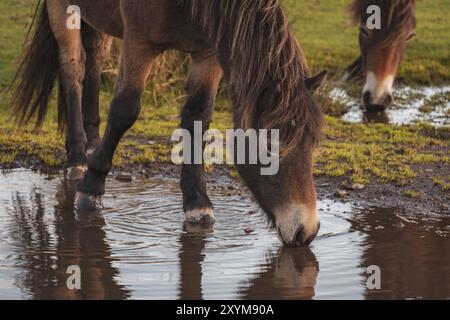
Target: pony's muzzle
<point>379,105</point>
<point>377,92</point>
<point>297,226</point>
<point>303,239</point>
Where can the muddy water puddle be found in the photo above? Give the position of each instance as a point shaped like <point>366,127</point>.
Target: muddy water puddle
<point>412,105</point>
<point>139,248</point>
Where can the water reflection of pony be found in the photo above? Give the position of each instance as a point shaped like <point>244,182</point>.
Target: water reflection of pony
<point>249,42</point>
<point>290,273</point>
<point>381,49</point>
<point>49,244</point>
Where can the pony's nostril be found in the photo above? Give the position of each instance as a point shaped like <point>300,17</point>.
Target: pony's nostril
<point>366,98</point>
<point>303,239</point>
<point>389,100</point>
<point>300,236</point>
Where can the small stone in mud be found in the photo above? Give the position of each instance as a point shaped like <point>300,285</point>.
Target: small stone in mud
<point>341,194</point>
<point>249,231</point>
<point>323,185</point>
<point>124,178</point>
<point>358,186</point>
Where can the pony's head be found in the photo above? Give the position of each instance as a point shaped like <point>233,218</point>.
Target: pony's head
<point>382,48</point>
<point>289,196</point>
<point>271,88</point>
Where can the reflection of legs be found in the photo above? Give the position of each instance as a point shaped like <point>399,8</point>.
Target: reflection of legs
<point>191,258</point>
<point>203,82</point>
<point>134,69</point>
<point>97,47</point>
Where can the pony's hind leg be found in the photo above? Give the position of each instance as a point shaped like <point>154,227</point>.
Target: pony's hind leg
<point>203,83</point>
<point>135,65</point>
<point>71,75</point>
<point>97,47</point>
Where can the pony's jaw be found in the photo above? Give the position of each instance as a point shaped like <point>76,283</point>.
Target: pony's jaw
<point>297,224</point>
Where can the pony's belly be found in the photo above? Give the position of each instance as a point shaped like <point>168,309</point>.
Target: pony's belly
<point>102,15</point>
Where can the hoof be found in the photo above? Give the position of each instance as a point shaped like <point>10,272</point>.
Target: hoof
<point>200,216</point>
<point>75,173</point>
<point>84,201</point>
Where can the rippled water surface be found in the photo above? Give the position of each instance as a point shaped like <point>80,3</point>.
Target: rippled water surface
<point>139,248</point>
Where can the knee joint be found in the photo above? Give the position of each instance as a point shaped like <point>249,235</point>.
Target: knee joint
<point>125,111</point>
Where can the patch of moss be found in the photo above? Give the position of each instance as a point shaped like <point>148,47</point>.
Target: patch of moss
<point>412,194</point>
<point>386,152</point>
<point>444,184</point>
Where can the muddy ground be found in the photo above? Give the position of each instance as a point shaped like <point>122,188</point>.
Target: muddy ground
<point>420,197</point>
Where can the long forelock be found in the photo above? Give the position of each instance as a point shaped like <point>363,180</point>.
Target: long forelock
<point>397,15</point>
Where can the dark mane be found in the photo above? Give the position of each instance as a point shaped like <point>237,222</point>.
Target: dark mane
<point>396,16</point>
<point>264,66</point>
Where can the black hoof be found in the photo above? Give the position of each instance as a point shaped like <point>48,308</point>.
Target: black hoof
<point>84,201</point>
<point>75,173</point>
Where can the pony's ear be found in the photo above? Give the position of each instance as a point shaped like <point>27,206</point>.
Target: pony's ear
<point>314,83</point>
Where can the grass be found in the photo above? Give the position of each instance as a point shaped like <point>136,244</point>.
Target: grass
<point>386,152</point>
<point>360,152</point>
<point>412,194</point>
<point>443,183</point>
<point>322,26</point>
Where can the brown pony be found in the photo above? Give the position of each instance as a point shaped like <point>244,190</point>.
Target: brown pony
<point>381,49</point>
<point>247,41</point>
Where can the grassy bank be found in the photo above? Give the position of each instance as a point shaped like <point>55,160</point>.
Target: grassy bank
<point>361,153</point>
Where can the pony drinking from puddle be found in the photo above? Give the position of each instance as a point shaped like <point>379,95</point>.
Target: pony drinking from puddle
<point>248,42</point>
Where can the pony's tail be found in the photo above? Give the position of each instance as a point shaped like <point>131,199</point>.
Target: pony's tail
<point>37,72</point>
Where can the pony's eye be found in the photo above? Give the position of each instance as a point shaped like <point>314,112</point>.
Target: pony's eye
<point>364,32</point>
<point>411,36</point>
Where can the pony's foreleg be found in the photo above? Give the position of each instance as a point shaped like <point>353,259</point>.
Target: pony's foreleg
<point>71,75</point>
<point>203,83</point>
<point>135,65</point>
<point>97,47</point>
